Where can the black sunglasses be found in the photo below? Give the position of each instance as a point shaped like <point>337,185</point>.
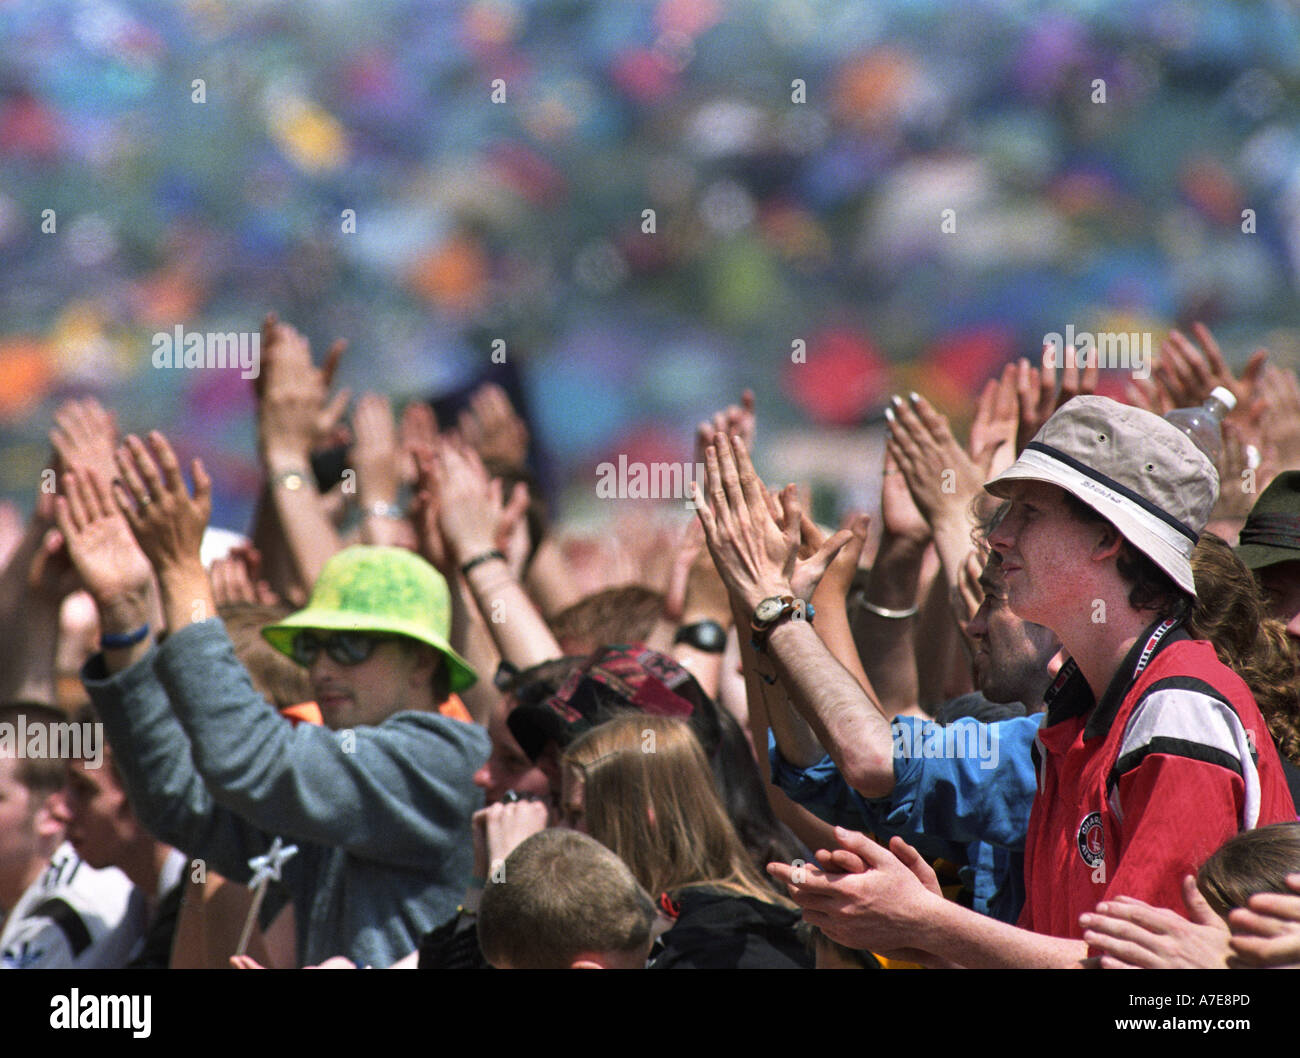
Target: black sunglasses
<point>347,648</point>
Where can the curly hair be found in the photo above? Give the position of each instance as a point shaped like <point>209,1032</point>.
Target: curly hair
<point>1230,612</point>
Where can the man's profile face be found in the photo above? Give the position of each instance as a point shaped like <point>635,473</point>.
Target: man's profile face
<point>99,820</point>
<point>1281,585</point>
<point>30,824</point>
<point>508,768</point>
<point>1041,543</point>
<point>370,691</point>
<point>1011,654</point>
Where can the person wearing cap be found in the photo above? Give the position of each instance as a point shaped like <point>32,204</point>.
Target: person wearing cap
<point>1147,758</point>
<point>378,800</point>
<point>1269,546</point>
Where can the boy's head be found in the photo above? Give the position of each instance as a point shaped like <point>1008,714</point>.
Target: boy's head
<point>100,822</point>
<point>373,637</point>
<point>30,824</point>
<point>1255,861</point>
<point>565,901</point>
<point>1100,465</point>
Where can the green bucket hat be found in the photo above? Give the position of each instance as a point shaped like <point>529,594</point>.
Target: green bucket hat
<point>379,589</point>
<point>1272,530</point>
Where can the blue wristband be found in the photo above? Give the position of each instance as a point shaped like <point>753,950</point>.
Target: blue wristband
<point>113,642</point>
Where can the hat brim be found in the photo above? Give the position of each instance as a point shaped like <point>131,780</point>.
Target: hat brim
<point>1162,543</point>
<point>280,636</point>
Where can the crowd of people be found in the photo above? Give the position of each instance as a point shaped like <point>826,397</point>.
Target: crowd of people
<point>1043,710</point>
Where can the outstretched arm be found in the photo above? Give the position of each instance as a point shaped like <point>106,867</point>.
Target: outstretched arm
<point>886,907</point>
<point>292,407</point>
<point>412,774</point>
<point>470,511</point>
<point>150,747</point>
<point>758,558</point>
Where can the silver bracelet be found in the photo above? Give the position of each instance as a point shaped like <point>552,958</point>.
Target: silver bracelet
<point>380,509</point>
<point>884,611</point>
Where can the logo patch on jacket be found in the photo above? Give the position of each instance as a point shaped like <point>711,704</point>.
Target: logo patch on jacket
<point>1092,840</point>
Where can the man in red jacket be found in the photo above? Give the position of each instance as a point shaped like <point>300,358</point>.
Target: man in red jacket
<point>1152,753</point>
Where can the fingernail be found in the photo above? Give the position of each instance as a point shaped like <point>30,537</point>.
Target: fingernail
<point>897,400</point>
<point>914,396</point>
<point>889,414</point>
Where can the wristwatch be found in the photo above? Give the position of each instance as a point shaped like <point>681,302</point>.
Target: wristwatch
<point>708,636</point>
<point>771,612</point>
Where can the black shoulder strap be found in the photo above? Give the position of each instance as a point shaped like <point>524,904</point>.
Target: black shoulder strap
<point>61,913</point>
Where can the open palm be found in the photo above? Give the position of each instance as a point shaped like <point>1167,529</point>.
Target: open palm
<point>99,541</point>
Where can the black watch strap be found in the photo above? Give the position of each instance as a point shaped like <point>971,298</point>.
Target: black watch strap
<point>708,636</point>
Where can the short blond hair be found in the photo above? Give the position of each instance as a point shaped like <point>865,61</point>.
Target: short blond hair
<point>562,895</point>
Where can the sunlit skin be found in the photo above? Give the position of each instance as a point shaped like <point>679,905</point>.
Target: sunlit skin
<point>508,767</point>
<point>98,818</point>
<point>1011,654</point>
<point>394,678</point>
<point>1039,541</point>
<point>1062,572</point>
<point>29,834</point>
<point>102,827</point>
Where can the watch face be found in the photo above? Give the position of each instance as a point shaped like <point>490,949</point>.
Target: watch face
<point>769,609</point>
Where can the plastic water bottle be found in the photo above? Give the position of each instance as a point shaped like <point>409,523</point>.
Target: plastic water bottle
<point>1204,425</point>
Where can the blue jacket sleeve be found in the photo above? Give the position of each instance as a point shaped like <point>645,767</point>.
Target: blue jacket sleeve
<point>966,781</point>
<point>152,754</point>
<point>822,790</point>
<point>389,793</point>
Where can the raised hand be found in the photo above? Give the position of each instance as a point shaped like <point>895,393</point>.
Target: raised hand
<point>470,506</point>
<point>899,516</point>
<point>492,427</point>
<point>103,551</point>
<point>735,420</point>
<point>1192,371</point>
<point>1036,390</point>
<point>295,414</point>
<point>417,430</point>
<point>755,555</point>
<point>993,430</point>
<point>236,579</point>
<point>939,474</point>
<point>1277,411</point>
<point>84,435</point>
<point>167,521</point>
<point>838,579</point>
<point>375,451</point>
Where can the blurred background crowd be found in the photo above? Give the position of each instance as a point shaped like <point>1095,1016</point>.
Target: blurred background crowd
<point>521,221</point>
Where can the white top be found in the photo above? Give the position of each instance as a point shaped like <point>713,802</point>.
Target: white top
<point>74,917</point>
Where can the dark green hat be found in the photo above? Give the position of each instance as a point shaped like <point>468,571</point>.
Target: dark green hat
<point>379,589</point>
<point>1272,530</point>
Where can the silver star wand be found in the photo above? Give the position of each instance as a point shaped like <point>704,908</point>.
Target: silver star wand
<point>265,869</point>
